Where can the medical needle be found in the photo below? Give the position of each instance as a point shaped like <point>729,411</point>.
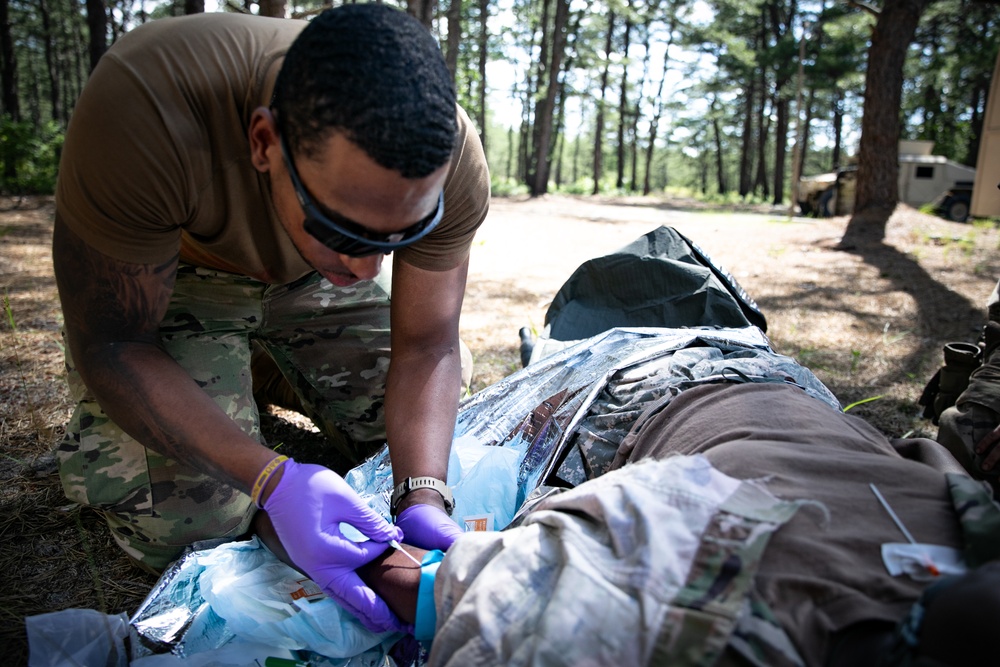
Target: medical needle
<point>355,535</point>
<point>396,545</point>
<point>899,524</point>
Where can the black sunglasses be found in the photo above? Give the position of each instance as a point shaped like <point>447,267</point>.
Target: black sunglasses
<point>346,237</point>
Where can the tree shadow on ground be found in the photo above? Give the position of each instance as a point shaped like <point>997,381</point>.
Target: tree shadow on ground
<point>24,202</point>
<point>942,315</point>
<point>940,310</point>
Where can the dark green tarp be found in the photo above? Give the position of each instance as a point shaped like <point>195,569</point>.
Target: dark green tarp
<point>661,279</point>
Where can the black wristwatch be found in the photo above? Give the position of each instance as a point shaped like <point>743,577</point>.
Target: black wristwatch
<point>414,483</point>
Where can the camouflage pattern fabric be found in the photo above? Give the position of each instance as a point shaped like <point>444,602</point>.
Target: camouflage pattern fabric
<point>979,517</point>
<point>961,427</point>
<point>976,412</point>
<point>759,638</point>
<point>667,549</point>
<point>331,343</point>
<point>717,607</point>
<point>595,445</point>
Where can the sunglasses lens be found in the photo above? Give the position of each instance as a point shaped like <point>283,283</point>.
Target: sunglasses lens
<point>345,241</point>
<point>323,232</point>
<point>347,237</point>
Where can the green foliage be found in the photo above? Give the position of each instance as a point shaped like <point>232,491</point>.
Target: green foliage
<point>30,158</point>
<point>746,53</point>
<point>507,187</point>
<point>730,198</point>
<point>947,76</point>
<point>584,186</point>
<point>468,80</point>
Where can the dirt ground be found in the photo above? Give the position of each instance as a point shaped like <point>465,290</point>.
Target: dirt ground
<point>870,323</point>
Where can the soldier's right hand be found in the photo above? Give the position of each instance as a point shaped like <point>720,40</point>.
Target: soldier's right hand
<point>307,506</point>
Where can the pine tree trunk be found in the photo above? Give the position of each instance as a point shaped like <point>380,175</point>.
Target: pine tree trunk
<point>838,129</point>
<point>599,125</point>
<point>272,8</point>
<point>538,179</point>
<point>8,71</point>
<point>654,124</point>
<point>454,37</point>
<point>637,112</point>
<point>422,10</point>
<point>720,167</point>
<point>746,142</point>
<point>527,111</point>
<point>804,149</point>
<point>97,22</point>
<point>543,48</point>
<point>977,102</point>
<point>484,14</point>
<point>763,127</point>
<point>510,153</point>
<point>780,149</point>
<point>877,190</point>
<point>576,159</point>
<point>50,58</point>
<point>623,102</point>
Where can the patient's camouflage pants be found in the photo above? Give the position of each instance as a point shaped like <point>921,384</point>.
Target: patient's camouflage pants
<point>331,343</point>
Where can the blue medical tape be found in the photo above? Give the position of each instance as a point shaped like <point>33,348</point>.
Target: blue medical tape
<point>426,621</point>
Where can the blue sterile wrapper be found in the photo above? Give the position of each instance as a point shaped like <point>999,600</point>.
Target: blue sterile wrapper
<point>234,595</point>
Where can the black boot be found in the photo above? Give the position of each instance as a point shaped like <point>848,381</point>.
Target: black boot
<point>943,390</point>
<point>527,345</point>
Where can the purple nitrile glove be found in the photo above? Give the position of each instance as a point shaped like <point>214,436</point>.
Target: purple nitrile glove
<point>427,527</point>
<point>307,508</point>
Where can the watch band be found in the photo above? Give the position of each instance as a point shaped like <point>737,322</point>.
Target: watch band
<point>414,483</point>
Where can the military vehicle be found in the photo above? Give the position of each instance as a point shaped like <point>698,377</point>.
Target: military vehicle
<point>923,179</point>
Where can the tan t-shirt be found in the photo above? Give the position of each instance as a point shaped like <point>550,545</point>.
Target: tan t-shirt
<point>157,157</point>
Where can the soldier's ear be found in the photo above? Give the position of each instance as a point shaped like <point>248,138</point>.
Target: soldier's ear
<point>265,144</point>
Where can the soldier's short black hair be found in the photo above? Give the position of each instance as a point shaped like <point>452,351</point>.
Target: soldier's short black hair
<point>375,74</point>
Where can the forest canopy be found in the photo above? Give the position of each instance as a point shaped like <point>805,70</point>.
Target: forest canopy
<point>729,98</point>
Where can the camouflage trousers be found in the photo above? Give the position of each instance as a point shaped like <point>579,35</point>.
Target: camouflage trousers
<point>976,412</point>
<point>331,344</point>
<point>964,425</point>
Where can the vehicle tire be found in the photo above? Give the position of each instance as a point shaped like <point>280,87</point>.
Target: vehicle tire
<point>823,209</point>
<point>957,210</point>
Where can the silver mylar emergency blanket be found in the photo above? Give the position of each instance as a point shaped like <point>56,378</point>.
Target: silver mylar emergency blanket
<point>566,414</point>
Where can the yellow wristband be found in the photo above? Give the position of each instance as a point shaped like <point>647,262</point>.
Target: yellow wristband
<point>263,477</point>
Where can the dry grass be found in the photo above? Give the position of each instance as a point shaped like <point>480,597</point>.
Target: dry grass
<point>54,554</point>
<point>869,323</point>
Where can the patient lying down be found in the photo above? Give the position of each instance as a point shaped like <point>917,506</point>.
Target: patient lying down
<point>739,523</point>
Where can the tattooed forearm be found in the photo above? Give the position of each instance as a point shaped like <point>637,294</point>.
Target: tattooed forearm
<point>113,310</point>
<point>105,299</point>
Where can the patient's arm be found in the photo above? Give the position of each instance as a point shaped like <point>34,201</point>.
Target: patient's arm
<point>394,577</point>
<point>929,452</point>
